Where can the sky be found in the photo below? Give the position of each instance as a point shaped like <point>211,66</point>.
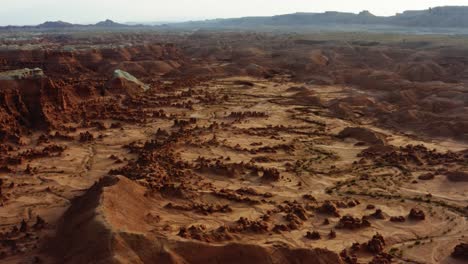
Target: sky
<point>31,12</point>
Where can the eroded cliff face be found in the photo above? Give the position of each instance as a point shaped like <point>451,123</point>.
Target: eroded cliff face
<point>410,86</point>
<point>30,104</point>
<point>67,80</point>
<point>73,62</point>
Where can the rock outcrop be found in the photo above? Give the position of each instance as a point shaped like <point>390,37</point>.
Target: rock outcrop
<point>457,176</point>
<point>22,74</point>
<point>124,83</point>
<point>461,251</point>
<point>30,100</point>
<point>363,134</point>
<point>109,224</point>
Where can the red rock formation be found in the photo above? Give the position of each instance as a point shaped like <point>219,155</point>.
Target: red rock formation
<point>271,174</point>
<point>313,235</point>
<point>378,214</point>
<point>461,251</point>
<point>328,208</point>
<point>364,135</point>
<point>399,219</point>
<point>382,258</point>
<point>457,176</point>
<point>416,214</point>
<point>33,104</point>
<point>376,244</point>
<point>426,177</point>
<point>349,222</point>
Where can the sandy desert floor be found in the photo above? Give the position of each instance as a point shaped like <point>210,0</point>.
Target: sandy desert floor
<point>251,163</point>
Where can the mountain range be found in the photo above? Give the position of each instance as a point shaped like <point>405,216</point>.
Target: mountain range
<point>447,16</point>
<point>437,17</point>
<point>65,25</point>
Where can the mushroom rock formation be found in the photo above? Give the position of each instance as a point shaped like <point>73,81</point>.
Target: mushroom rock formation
<point>125,83</point>
<point>328,208</point>
<point>271,174</point>
<point>378,214</point>
<point>313,235</point>
<point>349,222</point>
<point>416,214</point>
<point>376,244</point>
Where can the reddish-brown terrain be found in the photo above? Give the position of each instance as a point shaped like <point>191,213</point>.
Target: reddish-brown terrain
<point>232,148</point>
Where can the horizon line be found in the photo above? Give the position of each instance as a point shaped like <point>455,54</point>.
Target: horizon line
<point>182,20</point>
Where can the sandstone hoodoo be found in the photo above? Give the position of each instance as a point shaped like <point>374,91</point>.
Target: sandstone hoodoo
<point>313,235</point>
<point>416,214</point>
<point>349,222</point>
<point>376,245</point>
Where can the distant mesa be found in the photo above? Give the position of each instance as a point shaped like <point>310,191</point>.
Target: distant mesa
<point>109,23</point>
<point>63,25</point>
<point>442,17</point>
<point>55,24</point>
<point>437,17</point>
<point>366,13</point>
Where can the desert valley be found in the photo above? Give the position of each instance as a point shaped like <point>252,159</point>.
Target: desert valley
<point>233,147</point>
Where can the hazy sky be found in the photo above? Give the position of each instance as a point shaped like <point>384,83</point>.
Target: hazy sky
<point>89,11</point>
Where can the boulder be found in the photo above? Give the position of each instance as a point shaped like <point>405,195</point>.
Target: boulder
<point>124,82</point>
<point>416,214</point>
<point>457,176</point>
<point>461,251</point>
